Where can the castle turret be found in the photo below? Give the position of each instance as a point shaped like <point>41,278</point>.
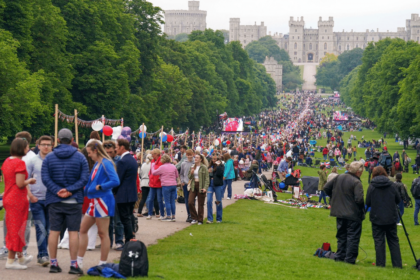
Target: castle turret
<point>234,24</point>
<point>325,37</point>
<point>296,33</point>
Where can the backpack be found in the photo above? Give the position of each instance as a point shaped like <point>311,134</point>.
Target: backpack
<point>386,160</point>
<point>134,261</point>
<point>416,188</point>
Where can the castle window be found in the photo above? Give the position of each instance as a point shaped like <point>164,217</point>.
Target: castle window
<point>245,42</point>
<point>357,38</point>
<point>348,38</point>
<point>295,53</point>
<point>285,46</point>
<point>357,45</point>
<point>328,37</point>
<point>317,46</point>
<point>293,37</point>
<point>310,46</point>
<point>325,46</point>
<point>418,31</point>
<point>373,39</point>
<point>348,47</point>
<point>303,46</point>
<point>339,47</point>
<point>325,53</point>
<point>295,30</point>
<point>325,30</point>
<point>295,46</point>
<point>322,37</point>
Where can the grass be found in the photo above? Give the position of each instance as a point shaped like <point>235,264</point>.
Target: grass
<point>264,241</point>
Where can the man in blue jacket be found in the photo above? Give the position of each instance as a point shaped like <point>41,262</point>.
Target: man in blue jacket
<point>126,193</point>
<point>64,173</point>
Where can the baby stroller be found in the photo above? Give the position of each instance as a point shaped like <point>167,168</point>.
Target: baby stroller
<point>263,183</point>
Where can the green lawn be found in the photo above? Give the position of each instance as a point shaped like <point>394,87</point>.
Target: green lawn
<point>264,241</point>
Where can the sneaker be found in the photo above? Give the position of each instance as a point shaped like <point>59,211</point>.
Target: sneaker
<point>219,222</point>
<point>15,265</point>
<point>193,222</point>
<point>27,259</point>
<point>200,223</point>
<point>173,220</point>
<point>228,198</point>
<point>120,248</point>
<point>55,269</point>
<point>188,220</point>
<point>399,224</point>
<point>161,218</point>
<point>4,253</point>
<point>149,217</point>
<point>44,261</point>
<point>209,222</point>
<point>75,270</point>
<point>166,220</point>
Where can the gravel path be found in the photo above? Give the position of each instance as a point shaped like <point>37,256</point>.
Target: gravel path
<point>150,231</point>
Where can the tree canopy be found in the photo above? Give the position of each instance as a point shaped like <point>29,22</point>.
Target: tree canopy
<point>110,58</point>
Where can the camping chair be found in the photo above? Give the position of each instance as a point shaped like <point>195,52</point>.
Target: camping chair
<point>333,163</point>
<point>317,162</point>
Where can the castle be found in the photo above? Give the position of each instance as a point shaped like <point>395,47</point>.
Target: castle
<point>245,33</point>
<point>275,70</point>
<point>310,45</point>
<point>185,21</point>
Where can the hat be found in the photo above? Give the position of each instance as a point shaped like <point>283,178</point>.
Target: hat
<point>355,166</point>
<point>65,133</point>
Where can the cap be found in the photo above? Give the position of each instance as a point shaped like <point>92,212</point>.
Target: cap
<point>65,133</point>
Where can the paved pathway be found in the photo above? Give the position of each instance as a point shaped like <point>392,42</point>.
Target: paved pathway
<point>309,72</point>
<point>150,231</point>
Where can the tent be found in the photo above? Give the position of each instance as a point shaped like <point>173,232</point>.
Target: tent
<point>310,184</point>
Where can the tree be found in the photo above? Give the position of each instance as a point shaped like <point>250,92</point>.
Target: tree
<point>328,58</point>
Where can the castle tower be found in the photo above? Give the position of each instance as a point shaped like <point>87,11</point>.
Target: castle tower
<point>325,37</point>
<point>414,28</point>
<point>296,33</point>
<point>185,21</point>
<point>234,24</point>
<point>194,5</point>
<point>275,70</point>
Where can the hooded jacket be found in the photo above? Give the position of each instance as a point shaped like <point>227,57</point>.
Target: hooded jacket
<point>322,179</point>
<point>64,168</point>
<point>382,196</point>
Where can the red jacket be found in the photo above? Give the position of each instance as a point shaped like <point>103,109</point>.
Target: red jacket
<point>325,151</point>
<point>154,181</point>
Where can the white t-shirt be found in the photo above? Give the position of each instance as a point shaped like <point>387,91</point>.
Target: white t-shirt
<point>28,157</point>
<point>196,173</point>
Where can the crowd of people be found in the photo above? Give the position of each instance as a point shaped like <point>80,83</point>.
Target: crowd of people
<point>75,195</point>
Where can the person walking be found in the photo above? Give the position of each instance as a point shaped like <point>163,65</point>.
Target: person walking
<point>415,191</point>
<point>322,181</point>
<point>168,175</point>
<point>102,180</point>
<point>184,174</point>
<point>38,206</point>
<point>402,192</point>
<point>383,197</point>
<point>64,173</point>
<point>15,202</point>
<point>126,193</point>
<point>144,184</point>
<point>155,188</point>
<point>216,188</point>
<point>229,175</point>
<point>200,181</point>
<point>347,205</point>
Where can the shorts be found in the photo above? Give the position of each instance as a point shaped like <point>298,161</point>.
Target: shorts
<point>97,208</point>
<point>65,213</point>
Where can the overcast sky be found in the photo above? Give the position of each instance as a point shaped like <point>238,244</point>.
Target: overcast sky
<point>358,15</point>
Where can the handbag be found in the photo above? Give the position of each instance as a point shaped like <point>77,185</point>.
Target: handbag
<point>189,184</point>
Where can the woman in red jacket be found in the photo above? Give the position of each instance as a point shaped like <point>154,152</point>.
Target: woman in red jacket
<point>325,153</point>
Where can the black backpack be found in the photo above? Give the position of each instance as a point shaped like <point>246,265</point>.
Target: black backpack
<point>386,160</point>
<point>134,261</point>
<point>416,189</point>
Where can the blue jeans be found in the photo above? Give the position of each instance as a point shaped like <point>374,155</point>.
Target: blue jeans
<point>42,226</point>
<point>401,207</point>
<point>354,154</point>
<point>169,194</point>
<point>323,196</point>
<point>295,156</point>
<point>416,212</point>
<point>259,166</point>
<point>325,157</point>
<point>151,198</point>
<point>186,196</point>
<point>218,191</point>
<point>227,183</point>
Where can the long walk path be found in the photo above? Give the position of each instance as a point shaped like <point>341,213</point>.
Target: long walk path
<point>309,72</point>
<point>150,231</point>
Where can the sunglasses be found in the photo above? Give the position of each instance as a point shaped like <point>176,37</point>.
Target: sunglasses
<point>108,145</point>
